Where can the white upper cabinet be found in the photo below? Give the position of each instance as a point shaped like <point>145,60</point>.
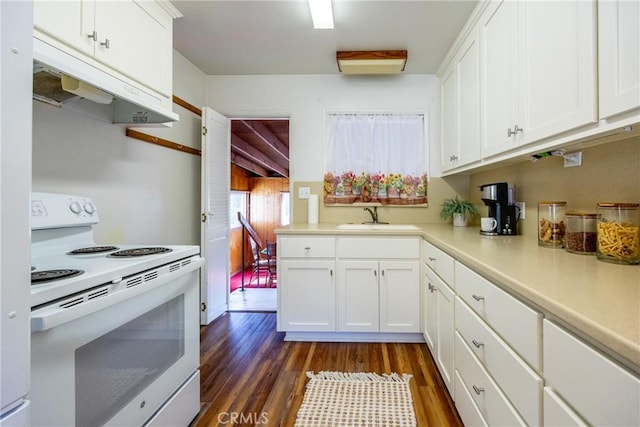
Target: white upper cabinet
<point>461,106</point>
<point>499,49</point>
<point>538,62</point>
<point>134,38</point>
<point>619,56</point>
<point>558,67</point>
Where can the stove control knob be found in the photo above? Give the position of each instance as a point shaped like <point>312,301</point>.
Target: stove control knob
<point>75,207</point>
<point>89,208</point>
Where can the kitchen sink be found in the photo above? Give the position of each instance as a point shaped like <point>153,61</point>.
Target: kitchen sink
<point>405,227</point>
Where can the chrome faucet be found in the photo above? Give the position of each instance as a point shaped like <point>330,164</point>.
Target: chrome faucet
<point>374,215</point>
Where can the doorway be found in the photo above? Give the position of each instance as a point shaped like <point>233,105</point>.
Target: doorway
<point>259,185</point>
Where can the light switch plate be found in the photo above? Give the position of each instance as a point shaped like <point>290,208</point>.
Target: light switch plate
<point>303,192</point>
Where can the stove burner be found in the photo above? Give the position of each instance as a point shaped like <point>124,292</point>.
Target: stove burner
<point>92,250</point>
<point>48,275</point>
<point>139,252</point>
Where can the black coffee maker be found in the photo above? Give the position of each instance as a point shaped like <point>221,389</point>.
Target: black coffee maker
<point>499,199</point>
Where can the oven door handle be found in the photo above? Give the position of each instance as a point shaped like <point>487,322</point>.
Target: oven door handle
<point>52,315</point>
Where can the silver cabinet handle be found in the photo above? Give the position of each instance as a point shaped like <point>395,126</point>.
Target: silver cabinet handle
<point>478,390</point>
<point>307,248</point>
<point>432,288</point>
<point>477,343</point>
<point>375,273</point>
<point>94,36</point>
<point>431,258</point>
<point>105,43</point>
<point>477,297</point>
<point>515,130</point>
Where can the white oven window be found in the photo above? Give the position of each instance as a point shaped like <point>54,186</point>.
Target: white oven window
<point>112,369</point>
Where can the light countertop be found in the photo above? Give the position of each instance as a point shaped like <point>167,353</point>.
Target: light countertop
<point>598,300</point>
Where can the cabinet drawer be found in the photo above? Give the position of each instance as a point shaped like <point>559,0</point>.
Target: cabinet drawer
<point>468,410</point>
<point>307,247</point>
<point>439,262</point>
<point>499,310</point>
<point>557,413</point>
<point>494,406</point>
<point>518,381</point>
<point>601,391</point>
<point>378,248</point>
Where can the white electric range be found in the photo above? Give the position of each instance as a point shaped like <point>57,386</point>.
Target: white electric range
<point>115,336</point>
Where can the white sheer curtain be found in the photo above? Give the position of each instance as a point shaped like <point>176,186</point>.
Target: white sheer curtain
<point>376,143</point>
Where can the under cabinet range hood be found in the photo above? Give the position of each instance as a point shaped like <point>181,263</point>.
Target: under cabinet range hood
<point>63,80</point>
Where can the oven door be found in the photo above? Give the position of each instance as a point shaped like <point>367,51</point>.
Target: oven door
<point>120,364</point>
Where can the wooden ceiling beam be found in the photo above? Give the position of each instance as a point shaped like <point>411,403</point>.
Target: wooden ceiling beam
<point>268,137</point>
<point>249,165</point>
<point>243,148</point>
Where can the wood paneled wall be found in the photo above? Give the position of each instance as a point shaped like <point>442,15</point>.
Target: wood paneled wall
<point>263,215</point>
<point>264,205</point>
<point>239,182</point>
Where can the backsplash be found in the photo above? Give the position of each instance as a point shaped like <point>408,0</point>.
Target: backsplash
<point>609,173</point>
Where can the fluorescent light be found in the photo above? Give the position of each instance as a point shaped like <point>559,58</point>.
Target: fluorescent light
<point>321,14</point>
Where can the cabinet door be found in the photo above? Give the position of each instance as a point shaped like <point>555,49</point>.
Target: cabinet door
<point>446,330</point>
<point>450,135</point>
<point>469,101</point>
<point>618,56</point>
<point>557,67</point>
<point>140,41</point>
<point>358,308</point>
<point>499,61</point>
<point>461,107</point>
<point>399,296</point>
<point>430,307</point>
<point>307,295</point>
<point>70,22</point>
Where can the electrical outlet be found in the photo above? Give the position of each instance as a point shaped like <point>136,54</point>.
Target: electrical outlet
<point>573,159</point>
<point>303,192</point>
<point>522,211</point>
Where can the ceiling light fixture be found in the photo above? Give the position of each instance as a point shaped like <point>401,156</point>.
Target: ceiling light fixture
<point>371,61</point>
<point>321,14</point>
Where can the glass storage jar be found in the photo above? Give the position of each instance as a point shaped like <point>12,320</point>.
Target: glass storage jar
<point>581,237</point>
<point>551,224</point>
<point>618,230</point>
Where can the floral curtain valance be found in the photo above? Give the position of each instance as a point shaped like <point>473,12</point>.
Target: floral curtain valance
<point>375,158</point>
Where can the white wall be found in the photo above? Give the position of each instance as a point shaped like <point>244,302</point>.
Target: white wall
<point>145,193</point>
<point>304,98</point>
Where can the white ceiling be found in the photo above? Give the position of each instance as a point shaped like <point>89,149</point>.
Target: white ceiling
<point>277,37</point>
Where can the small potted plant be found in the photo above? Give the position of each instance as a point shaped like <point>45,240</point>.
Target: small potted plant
<point>459,210</point>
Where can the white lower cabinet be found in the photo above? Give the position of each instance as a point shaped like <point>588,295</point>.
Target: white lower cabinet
<point>499,309</point>
<point>439,325</point>
<point>308,296</point>
<point>518,381</point>
<point>487,395</point>
<point>358,296</point>
<point>600,391</point>
<point>306,284</point>
<point>504,365</point>
<point>378,295</point>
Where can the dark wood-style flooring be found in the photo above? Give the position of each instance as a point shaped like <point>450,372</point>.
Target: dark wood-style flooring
<point>249,372</point>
